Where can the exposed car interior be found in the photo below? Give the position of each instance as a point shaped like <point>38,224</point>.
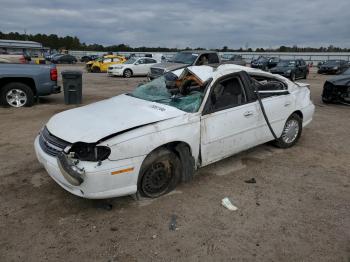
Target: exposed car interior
<point>228,93</point>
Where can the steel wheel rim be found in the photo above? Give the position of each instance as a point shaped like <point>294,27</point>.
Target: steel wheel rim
<point>16,98</point>
<point>157,178</point>
<point>290,131</point>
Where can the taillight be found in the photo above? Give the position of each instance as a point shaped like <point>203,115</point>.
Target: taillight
<point>22,60</point>
<point>53,74</point>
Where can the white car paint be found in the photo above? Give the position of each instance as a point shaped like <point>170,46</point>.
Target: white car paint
<point>211,137</point>
<point>140,67</point>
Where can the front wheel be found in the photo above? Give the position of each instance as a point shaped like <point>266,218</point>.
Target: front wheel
<point>17,95</point>
<point>159,174</point>
<point>291,132</point>
<point>127,73</point>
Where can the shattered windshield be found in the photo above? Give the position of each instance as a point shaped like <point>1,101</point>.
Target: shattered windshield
<point>184,58</point>
<point>157,91</point>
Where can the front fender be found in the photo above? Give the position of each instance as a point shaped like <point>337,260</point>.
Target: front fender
<point>142,141</point>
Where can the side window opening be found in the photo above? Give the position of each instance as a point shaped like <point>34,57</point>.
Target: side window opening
<point>269,86</point>
<point>203,60</point>
<point>228,93</point>
<point>213,58</point>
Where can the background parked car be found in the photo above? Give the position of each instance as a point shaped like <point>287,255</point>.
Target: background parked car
<point>50,57</point>
<point>337,89</point>
<point>291,69</point>
<point>272,62</point>
<point>64,59</point>
<point>261,62</point>
<point>333,67</point>
<point>101,65</point>
<point>87,58</point>
<point>132,67</point>
<point>233,59</point>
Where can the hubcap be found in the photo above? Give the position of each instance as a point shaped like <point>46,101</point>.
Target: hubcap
<point>16,98</point>
<point>290,131</point>
<point>157,178</point>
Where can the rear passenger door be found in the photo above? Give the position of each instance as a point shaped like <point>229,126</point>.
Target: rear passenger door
<point>279,105</point>
<point>229,120</point>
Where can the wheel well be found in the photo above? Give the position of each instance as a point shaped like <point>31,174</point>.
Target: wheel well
<point>129,70</point>
<point>299,113</point>
<point>25,80</point>
<point>184,152</point>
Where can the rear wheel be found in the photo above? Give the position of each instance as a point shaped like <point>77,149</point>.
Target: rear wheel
<point>305,75</point>
<point>291,132</point>
<point>17,95</point>
<point>159,173</point>
<point>292,76</point>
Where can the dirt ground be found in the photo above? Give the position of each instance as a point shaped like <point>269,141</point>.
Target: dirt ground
<point>298,210</point>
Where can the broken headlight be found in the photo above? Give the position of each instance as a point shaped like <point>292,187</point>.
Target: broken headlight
<point>90,152</point>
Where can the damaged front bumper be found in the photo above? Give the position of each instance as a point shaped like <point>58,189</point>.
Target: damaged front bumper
<point>91,179</point>
<point>69,170</point>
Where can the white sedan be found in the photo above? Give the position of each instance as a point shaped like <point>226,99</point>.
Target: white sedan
<point>149,140</point>
<point>132,67</point>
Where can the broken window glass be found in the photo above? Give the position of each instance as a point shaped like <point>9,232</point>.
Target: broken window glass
<point>157,91</point>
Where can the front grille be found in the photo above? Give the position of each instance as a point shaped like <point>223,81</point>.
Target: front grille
<point>157,71</point>
<point>51,144</point>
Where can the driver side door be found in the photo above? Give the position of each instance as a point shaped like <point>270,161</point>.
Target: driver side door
<point>140,66</point>
<point>229,121</point>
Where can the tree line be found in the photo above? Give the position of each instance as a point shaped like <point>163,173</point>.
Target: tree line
<point>56,42</point>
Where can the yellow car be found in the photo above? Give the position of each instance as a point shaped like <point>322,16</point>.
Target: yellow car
<point>102,64</point>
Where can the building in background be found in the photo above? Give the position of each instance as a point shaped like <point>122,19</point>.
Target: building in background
<point>33,49</point>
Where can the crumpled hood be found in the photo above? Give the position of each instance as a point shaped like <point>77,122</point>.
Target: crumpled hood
<point>169,66</point>
<point>340,80</point>
<point>93,122</point>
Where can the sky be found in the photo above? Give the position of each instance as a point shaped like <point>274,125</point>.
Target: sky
<point>185,23</point>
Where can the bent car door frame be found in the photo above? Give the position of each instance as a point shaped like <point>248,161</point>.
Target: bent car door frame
<point>227,131</point>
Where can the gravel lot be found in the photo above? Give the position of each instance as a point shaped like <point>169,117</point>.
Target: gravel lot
<point>299,209</point>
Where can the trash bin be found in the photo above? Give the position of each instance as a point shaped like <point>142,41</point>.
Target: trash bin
<point>72,86</point>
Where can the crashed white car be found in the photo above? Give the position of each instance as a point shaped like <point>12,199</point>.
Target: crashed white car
<point>149,140</point>
<point>133,67</point>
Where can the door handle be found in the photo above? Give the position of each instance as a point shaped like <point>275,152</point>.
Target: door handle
<point>248,113</point>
